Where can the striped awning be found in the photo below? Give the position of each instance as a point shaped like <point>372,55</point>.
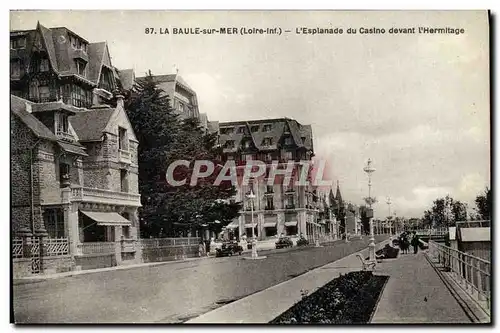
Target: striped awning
<point>291,224</point>
<point>107,218</point>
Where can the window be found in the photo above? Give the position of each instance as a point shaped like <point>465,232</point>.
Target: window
<point>255,128</point>
<point>249,157</point>
<point>303,139</point>
<point>229,144</point>
<point>247,144</point>
<point>268,157</point>
<point>15,69</point>
<point>79,96</point>
<point>126,231</point>
<point>267,142</point>
<point>241,129</point>
<point>54,222</point>
<point>63,124</point>
<point>289,202</point>
<point>106,80</point>
<point>269,189</point>
<point>288,141</point>
<point>18,43</point>
<point>123,180</point>
<point>226,130</point>
<point>269,203</point>
<point>44,93</point>
<point>64,173</point>
<point>288,155</point>
<point>122,138</point>
<point>77,43</point>
<point>44,65</point>
<point>267,128</point>
<point>80,67</point>
<point>181,107</point>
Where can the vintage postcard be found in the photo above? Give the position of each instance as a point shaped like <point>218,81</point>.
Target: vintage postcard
<point>271,167</point>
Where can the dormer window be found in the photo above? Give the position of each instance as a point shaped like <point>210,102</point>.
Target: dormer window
<point>255,128</point>
<point>288,141</point>
<point>78,44</point>
<point>80,67</point>
<point>241,129</point>
<point>303,139</point>
<point>226,130</point>
<point>267,128</point>
<point>44,65</point>
<point>106,80</point>
<point>229,144</point>
<point>18,43</point>
<point>267,142</point>
<point>62,124</point>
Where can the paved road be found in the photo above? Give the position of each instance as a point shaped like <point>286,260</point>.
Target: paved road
<point>166,293</point>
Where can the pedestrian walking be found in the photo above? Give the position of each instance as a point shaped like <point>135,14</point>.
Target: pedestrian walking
<point>415,242</point>
<point>201,249</point>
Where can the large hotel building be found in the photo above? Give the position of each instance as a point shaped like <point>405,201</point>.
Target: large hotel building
<point>281,208</point>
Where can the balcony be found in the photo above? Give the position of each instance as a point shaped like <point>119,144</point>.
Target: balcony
<point>124,156</point>
<point>65,136</point>
<point>96,195</point>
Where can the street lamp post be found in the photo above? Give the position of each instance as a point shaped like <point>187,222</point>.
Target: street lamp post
<point>389,217</point>
<point>251,197</point>
<point>369,169</point>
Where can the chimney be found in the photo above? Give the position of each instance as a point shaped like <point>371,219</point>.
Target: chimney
<point>119,101</point>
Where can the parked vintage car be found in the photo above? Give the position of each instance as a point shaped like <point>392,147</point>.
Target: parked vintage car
<point>228,249</point>
<point>302,242</point>
<point>284,242</point>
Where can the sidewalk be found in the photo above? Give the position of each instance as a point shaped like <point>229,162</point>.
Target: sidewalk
<point>415,294</point>
<point>43,277</point>
<point>264,306</point>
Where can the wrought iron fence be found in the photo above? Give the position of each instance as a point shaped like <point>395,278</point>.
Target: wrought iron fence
<point>17,248</point>
<point>472,272</point>
<point>166,242</point>
<point>96,248</point>
<point>56,246</point>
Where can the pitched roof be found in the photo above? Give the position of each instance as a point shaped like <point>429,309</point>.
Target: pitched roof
<point>96,53</point>
<point>18,108</point>
<point>49,45</point>
<point>90,125</point>
<point>127,78</point>
<point>276,132</point>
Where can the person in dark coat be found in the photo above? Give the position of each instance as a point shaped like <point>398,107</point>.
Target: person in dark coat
<point>415,242</point>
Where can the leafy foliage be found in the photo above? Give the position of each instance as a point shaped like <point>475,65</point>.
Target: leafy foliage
<point>445,212</point>
<point>484,205</point>
<point>164,138</point>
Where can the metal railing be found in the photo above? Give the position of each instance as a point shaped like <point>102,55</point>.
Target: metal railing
<point>169,242</point>
<point>17,248</point>
<point>96,248</point>
<point>432,232</point>
<point>472,273</point>
<point>56,246</point>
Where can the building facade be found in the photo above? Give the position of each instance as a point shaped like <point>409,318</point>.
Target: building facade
<point>74,155</point>
<point>279,208</point>
<point>183,98</point>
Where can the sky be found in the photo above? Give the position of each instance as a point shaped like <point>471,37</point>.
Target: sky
<point>416,104</point>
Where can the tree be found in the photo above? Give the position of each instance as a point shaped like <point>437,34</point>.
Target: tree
<point>484,205</point>
<point>163,139</point>
<point>445,212</point>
